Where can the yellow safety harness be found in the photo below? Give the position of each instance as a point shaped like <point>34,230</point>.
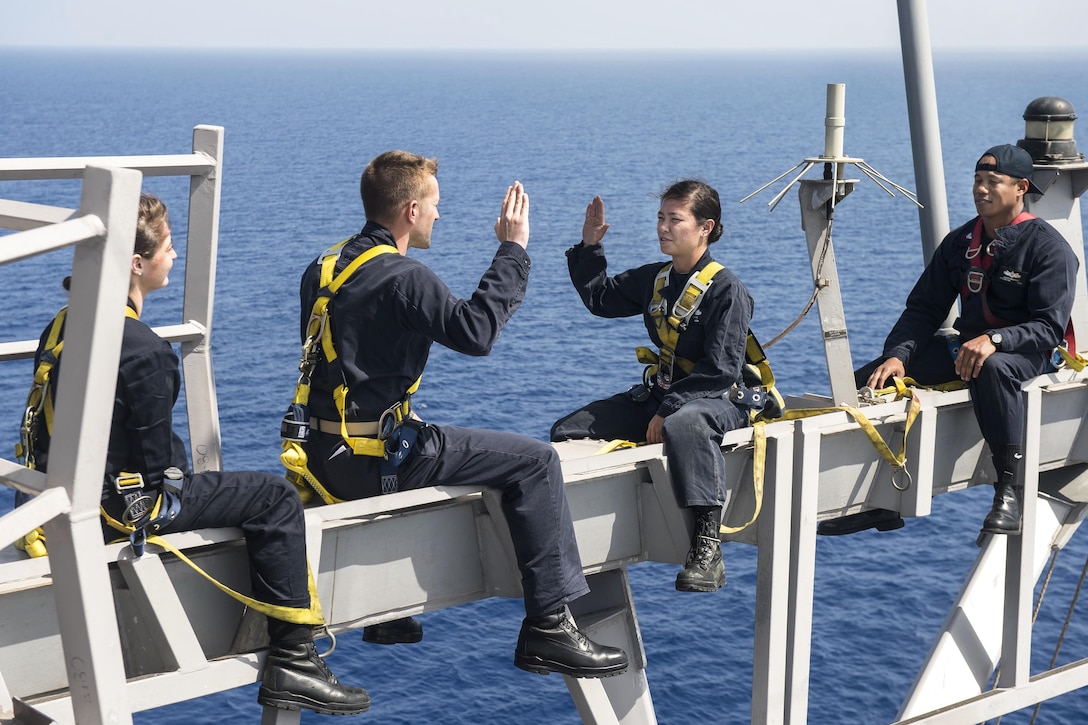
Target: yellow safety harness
<point>39,401</point>
<point>670,323</point>
<point>39,411</point>
<point>319,343</point>
<point>758,393</point>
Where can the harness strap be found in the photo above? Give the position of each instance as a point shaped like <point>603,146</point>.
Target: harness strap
<point>977,281</point>
<point>319,343</point>
<point>295,615</point>
<point>39,411</point>
<point>670,323</point>
<point>39,400</point>
<point>897,461</point>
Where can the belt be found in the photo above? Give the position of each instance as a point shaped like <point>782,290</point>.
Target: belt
<point>354,429</point>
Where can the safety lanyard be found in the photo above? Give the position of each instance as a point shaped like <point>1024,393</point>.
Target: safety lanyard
<point>394,439</point>
<point>670,323</point>
<point>981,260</point>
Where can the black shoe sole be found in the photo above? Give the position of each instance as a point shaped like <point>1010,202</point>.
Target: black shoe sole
<point>855,523</point>
<point>701,587</point>
<point>544,667</point>
<point>698,587</point>
<point>288,701</point>
<point>1002,532</point>
<point>378,639</point>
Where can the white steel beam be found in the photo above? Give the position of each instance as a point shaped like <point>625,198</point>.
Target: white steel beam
<point>805,483</point>
<point>1019,575</point>
<point>815,196</point>
<point>774,595</point>
<point>201,253</point>
<point>84,597</point>
<point>21,216</point>
<point>184,332</point>
<point>47,239</point>
<point>72,167</point>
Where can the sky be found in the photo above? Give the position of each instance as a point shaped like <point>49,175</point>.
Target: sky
<point>695,25</point>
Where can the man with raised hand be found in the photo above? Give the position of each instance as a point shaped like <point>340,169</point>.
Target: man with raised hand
<point>364,439</point>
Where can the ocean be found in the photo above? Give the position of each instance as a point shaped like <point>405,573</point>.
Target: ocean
<point>299,129</point>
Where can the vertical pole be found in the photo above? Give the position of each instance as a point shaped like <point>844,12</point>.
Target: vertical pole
<point>774,528</point>
<point>834,133</point>
<point>815,220</point>
<point>925,130</point>
<point>1019,560</point>
<point>607,614</point>
<point>1060,205</point>
<point>807,442</point>
<point>201,252</point>
<point>84,598</point>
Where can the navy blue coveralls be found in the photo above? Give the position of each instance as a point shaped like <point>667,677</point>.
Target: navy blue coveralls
<point>1029,294</point>
<point>696,406</point>
<point>384,320</point>
<point>142,440</point>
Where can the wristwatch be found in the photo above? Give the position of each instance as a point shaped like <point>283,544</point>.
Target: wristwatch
<point>995,338</point>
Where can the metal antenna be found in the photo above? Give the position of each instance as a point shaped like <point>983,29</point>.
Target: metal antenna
<point>833,156</point>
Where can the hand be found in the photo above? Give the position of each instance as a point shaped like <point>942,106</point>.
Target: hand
<point>973,354</point>
<point>594,227</point>
<point>654,430</point>
<point>890,368</point>
<point>512,224</point>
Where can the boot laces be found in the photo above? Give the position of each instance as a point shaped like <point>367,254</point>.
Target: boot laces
<point>576,634</point>
<point>319,661</point>
<point>703,551</point>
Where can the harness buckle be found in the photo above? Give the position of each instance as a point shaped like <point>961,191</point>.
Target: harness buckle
<point>639,392</point>
<point>754,398</point>
<point>138,507</point>
<point>173,479</point>
<point>975,280</point>
<point>867,396</point>
<point>295,425</point>
<point>392,418</point>
<point>688,300</point>
<point>25,448</point>
<point>125,483</point>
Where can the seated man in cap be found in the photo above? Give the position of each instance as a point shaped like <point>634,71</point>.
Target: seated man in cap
<point>1014,275</point>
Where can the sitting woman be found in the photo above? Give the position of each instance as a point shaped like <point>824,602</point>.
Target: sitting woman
<point>148,472</point>
<point>684,400</point>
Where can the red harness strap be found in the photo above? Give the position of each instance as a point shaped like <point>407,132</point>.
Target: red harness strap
<point>978,277</point>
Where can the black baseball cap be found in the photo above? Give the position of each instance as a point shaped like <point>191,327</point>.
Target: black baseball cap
<point>1012,161</point>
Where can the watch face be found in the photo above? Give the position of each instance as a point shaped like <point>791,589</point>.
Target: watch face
<point>995,338</point>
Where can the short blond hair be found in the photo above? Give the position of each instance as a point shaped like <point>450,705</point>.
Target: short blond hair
<point>392,180</point>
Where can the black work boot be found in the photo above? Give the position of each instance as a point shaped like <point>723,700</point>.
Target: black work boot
<point>295,676</point>
<point>407,630</point>
<point>553,643</point>
<point>1007,512</point>
<point>704,570</point>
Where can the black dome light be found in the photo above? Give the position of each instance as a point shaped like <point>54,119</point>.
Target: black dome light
<point>1048,131</point>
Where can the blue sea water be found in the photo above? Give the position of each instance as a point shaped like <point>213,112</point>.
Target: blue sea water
<point>299,129</point>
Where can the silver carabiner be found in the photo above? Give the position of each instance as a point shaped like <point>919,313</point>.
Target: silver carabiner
<point>897,473</point>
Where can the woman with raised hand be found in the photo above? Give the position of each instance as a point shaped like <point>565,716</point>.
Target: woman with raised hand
<point>697,313</point>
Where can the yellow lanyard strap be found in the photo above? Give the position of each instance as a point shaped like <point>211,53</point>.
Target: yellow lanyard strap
<point>295,615</point>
